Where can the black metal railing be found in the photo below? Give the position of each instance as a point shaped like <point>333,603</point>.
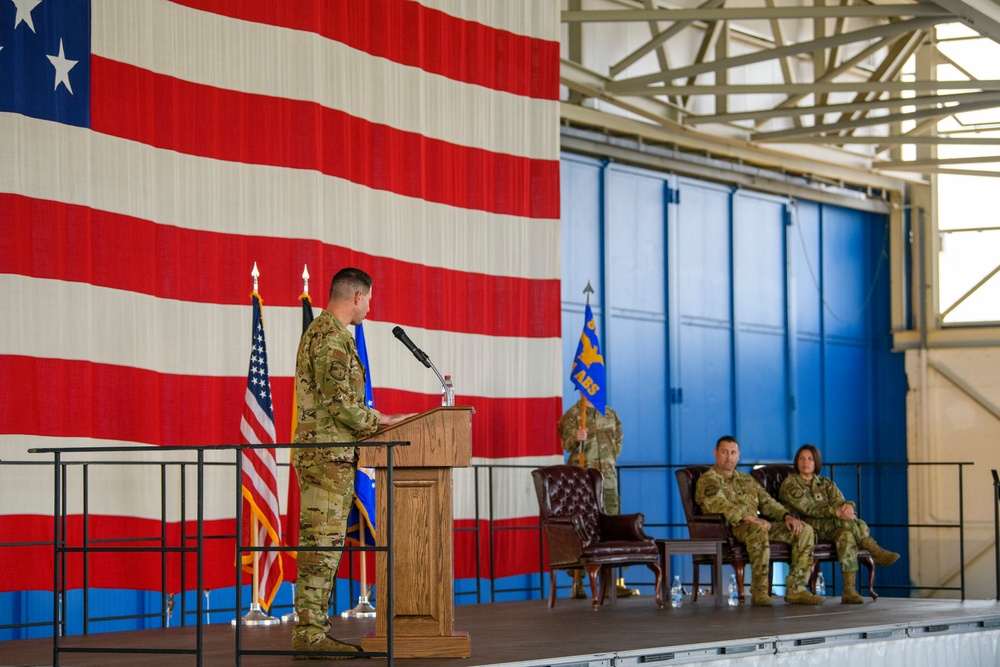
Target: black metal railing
<point>486,529</point>
<point>62,547</point>
<point>624,471</point>
<point>996,528</point>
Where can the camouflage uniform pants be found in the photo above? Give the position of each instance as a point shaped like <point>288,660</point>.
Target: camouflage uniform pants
<point>846,535</point>
<point>612,502</point>
<point>326,491</point>
<point>758,542</point>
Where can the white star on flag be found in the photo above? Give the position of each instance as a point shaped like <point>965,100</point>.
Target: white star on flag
<point>63,66</point>
<point>24,8</point>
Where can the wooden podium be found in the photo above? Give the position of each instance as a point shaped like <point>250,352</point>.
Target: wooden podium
<point>423,554</point>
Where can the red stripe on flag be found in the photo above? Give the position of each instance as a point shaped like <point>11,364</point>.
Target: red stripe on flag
<point>515,549</point>
<point>79,244</point>
<point>129,102</point>
<point>499,426</point>
<point>67,398</point>
<point>30,567</point>
<point>400,30</point>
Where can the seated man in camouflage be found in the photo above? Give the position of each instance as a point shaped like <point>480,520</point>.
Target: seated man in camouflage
<point>741,500</point>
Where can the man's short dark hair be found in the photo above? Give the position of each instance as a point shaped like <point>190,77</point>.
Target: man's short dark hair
<point>817,457</point>
<point>347,282</point>
<point>727,438</point>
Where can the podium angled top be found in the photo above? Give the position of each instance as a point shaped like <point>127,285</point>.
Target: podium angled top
<point>439,438</point>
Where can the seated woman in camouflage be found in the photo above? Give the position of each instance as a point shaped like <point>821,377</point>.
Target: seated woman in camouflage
<point>821,504</point>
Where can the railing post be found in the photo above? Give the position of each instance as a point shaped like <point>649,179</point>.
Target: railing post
<point>237,622</point>
<point>200,561</point>
<point>961,528</point>
<point>996,528</point>
<point>476,534</point>
<point>493,569</point>
<point>56,537</point>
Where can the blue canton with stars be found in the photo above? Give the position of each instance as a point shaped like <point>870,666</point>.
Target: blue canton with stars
<point>45,59</point>
<point>258,380</point>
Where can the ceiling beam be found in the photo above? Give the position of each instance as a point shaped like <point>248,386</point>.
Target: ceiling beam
<point>891,140</point>
<point>855,123</point>
<point>732,149</point>
<point>983,16</point>
<point>626,86</point>
<point>656,40</point>
<point>847,65</point>
<point>917,165</point>
<point>890,103</point>
<point>890,67</point>
<point>752,13</point>
<point>818,87</point>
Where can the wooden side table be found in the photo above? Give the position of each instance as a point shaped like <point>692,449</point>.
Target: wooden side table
<point>668,548</point>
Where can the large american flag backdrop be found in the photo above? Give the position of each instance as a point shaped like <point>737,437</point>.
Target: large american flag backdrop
<point>154,150</point>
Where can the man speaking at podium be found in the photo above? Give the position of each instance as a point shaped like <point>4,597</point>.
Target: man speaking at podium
<point>330,398</point>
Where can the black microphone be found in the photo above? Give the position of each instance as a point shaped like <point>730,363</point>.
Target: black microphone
<point>405,340</point>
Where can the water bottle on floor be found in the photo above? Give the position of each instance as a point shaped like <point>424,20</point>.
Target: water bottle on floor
<point>734,591</point>
<point>676,593</point>
<point>820,585</point>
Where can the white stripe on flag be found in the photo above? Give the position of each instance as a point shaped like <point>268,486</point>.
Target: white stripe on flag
<point>267,60</point>
<point>204,194</point>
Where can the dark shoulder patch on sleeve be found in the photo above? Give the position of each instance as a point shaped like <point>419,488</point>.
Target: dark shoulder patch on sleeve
<point>338,370</point>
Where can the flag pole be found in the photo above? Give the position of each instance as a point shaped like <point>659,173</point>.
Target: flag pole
<point>363,609</point>
<point>588,290</point>
<point>256,615</point>
<point>293,615</point>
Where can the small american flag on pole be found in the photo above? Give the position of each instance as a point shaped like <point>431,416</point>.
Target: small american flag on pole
<point>259,474</point>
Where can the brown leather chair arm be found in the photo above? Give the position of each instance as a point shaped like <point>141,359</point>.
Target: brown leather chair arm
<point>627,527</point>
<point>709,526</point>
<point>563,534</point>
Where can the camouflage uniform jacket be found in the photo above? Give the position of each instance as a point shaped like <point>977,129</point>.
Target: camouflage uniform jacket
<point>330,389</point>
<point>600,449</point>
<point>736,497</point>
<point>604,437</point>
<point>817,499</point>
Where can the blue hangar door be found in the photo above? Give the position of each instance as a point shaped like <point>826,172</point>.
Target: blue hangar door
<point>726,311</point>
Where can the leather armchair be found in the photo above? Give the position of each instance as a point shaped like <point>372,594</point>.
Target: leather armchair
<point>715,526</point>
<point>581,535</point>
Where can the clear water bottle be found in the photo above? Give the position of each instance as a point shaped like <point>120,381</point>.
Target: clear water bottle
<point>820,585</point>
<point>447,391</point>
<point>734,592</point>
<point>676,593</point>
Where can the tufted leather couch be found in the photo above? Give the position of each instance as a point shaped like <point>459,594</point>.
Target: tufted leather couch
<point>581,535</point>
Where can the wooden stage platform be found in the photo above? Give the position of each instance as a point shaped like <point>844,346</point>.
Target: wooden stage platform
<point>631,631</point>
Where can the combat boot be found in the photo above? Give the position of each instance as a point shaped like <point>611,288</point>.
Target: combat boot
<point>849,594</point>
<point>624,591</point>
<point>324,643</point>
<point>576,592</point>
<point>881,556</point>
<point>760,596</point>
<point>803,596</point>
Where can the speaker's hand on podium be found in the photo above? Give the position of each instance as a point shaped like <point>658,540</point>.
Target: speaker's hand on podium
<point>389,420</point>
